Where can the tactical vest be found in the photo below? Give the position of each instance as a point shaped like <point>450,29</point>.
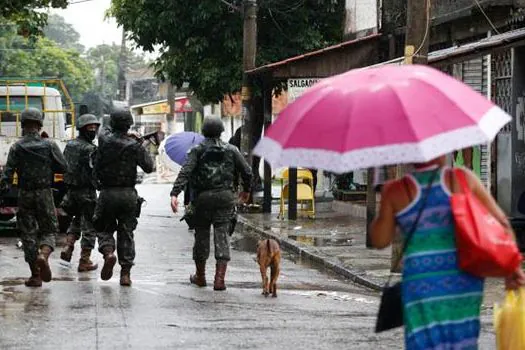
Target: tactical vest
<point>78,154</point>
<point>116,162</point>
<point>35,166</point>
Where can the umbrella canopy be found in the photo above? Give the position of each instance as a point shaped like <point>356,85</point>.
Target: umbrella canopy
<point>175,148</point>
<point>380,116</point>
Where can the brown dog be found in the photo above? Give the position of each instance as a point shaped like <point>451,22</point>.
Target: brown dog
<point>269,255</point>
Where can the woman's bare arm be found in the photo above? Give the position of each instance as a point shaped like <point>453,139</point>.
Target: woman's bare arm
<point>383,227</point>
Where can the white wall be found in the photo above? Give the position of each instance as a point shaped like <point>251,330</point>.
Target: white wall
<point>360,15</point>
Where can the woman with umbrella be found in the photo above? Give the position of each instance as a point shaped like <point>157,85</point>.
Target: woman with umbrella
<point>393,115</point>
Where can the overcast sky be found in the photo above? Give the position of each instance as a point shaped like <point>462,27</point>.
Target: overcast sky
<point>88,19</point>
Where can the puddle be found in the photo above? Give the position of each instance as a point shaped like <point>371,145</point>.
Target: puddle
<point>322,241</point>
<point>12,282</point>
<point>62,279</point>
<point>245,244</point>
<point>248,243</point>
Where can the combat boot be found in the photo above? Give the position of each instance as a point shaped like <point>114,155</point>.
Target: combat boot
<point>220,272</point>
<point>42,262</point>
<point>34,280</point>
<point>67,252</point>
<point>109,262</point>
<point>85,264</point>
<point>125,278</point>
<point>199,278</point>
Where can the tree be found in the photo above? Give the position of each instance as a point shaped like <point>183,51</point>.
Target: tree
<point>24,14</point>
<point>201,43</point>
<point>104,60</point>
<point>25,58</point>
<point>63,33</point>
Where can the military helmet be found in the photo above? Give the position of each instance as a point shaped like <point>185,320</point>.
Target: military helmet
<point>212,127</point>
<point>33,114</point>
<point>121,118</point>
<point>86,119</point>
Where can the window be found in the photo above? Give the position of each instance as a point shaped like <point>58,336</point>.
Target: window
<point>16,105</point>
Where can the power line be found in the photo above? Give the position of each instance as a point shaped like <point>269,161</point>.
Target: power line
<point>278,26</point>
<point>79,2</point>
<point>232,6</point>
<point>427,30</point>
<point>487,17</point>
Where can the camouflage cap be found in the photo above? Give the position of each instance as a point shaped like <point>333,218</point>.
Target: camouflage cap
<point>86,119</point>
<point>212,127</point>
<point>33,114</point>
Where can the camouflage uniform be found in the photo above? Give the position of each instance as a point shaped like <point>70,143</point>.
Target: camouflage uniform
<point>81,197</point>
<point>115,170</point>
<point>35,160</point>
<point>212,167</point>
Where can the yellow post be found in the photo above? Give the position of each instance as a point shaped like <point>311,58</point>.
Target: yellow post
<point>71,107</point>
<point>17,123</point>
<point>26,98</point>
<point>7,97</point>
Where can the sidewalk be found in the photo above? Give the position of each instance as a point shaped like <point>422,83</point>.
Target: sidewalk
<point>334,240</point>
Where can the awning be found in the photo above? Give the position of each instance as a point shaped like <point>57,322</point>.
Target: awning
<point>329,61</point>
<point>182,104</point>
<point>465,52</point>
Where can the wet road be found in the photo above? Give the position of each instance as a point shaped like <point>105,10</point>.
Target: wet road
<point>314,310</point>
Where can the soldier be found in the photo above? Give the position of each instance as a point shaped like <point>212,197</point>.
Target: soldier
<point>35,160</point>
<point>81,197</point>
<point>212,166</point>
<point>118,205</point>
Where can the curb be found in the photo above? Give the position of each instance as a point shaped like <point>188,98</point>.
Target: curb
<point>292,246</point>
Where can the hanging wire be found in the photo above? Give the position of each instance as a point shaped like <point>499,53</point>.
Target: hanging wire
<point>79,2</point>
<point>278,26</point>
<point>289,8</point>
<point>230,5</point>
<point>487,17</point>
<point>427,30</point>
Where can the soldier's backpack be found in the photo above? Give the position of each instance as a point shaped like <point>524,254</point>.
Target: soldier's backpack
<point>213,168</point>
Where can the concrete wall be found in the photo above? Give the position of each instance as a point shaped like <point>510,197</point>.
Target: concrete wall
<point>361,15</point>
<point>504,173</point>
<point>518,129</point>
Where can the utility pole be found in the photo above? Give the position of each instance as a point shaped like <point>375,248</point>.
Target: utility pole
<point>417,43</point>
<point>170,117</point>
<point>417,31</point>
<point>122,65</point>
<point>249,9</point>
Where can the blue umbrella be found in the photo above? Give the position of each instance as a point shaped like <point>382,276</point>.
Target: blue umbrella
<point>177,145</point>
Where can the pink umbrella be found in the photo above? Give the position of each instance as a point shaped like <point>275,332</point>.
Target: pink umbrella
<point>380,116</point>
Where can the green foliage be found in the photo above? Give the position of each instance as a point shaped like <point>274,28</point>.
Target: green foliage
<point>23,13</point>
<point>201,41</point>
<point>62,33</point>
<point>25,58</point>
<point>104,60</point>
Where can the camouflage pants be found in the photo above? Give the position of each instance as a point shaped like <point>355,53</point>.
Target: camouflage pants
<point>116,210</point>
<point>36,220</point>
<point>213,208</point>
<point>80,204</point>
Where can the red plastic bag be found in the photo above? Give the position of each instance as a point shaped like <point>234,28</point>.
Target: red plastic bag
<point>485,247</point>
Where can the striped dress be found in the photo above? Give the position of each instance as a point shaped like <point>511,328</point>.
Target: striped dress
<point>441,304</point>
